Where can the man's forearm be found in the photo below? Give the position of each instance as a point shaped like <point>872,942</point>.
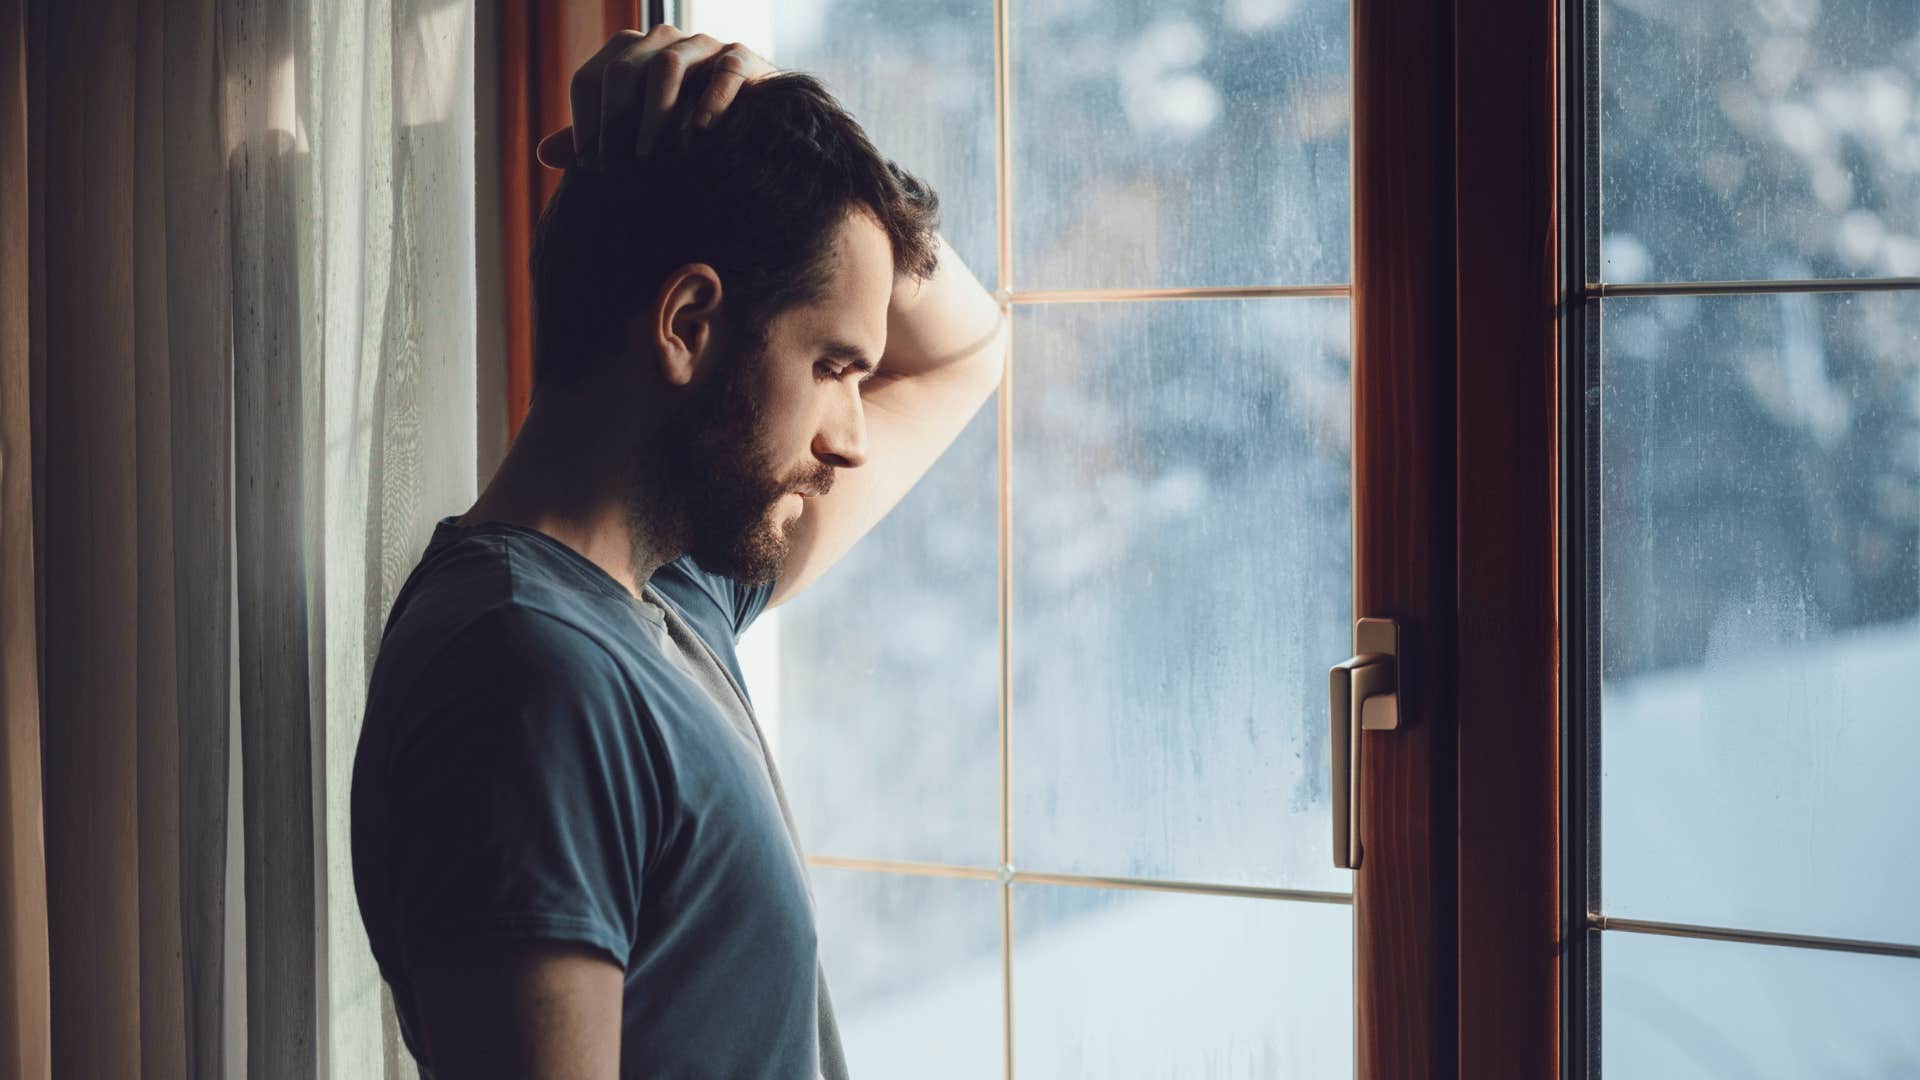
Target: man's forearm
<point>948,322</point>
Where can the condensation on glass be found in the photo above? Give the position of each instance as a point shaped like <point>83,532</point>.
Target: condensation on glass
<point>1759,139</point>
<point>1159,145</point>
<point>1758,502</point>
<point>1181,513</point>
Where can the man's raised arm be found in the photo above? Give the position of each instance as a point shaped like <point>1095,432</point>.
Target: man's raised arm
<point>946,351</point>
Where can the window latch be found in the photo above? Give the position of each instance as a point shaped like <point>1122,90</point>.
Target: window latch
<point>1363,695</point>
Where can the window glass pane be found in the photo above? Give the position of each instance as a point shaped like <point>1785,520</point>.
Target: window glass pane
<point>1760,612</point>
<point>913,964</point>
<point>890,676</point>
<point>1159,144</point>
<point>1681,1009</point>
<point>917,74</point>
<point>1121,984</point>
<point>1181,551</point>
<point>1759,139</point>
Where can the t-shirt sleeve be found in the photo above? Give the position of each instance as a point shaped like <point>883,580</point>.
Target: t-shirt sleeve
<point>740,603</point>
<point>523,802</point>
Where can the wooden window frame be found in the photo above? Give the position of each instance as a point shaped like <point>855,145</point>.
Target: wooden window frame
<point>1457,294</point>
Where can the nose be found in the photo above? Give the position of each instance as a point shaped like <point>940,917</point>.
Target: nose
<point>842,438</point>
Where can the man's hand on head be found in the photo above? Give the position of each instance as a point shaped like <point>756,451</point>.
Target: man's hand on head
<point>629,91</point>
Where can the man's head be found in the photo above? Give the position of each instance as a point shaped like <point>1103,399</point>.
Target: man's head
<point>731,283</point>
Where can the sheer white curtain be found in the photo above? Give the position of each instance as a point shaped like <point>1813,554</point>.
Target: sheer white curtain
<point>374,102</point>
<point>387,295</point>
<point>248,372</point>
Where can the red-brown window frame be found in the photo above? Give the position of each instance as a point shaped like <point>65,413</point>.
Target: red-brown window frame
<point>1457,301</point>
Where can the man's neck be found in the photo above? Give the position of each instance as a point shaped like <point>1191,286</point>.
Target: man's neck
<point>567,476</point>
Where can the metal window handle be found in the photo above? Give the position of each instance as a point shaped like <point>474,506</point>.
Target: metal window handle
<point>1363,695</point>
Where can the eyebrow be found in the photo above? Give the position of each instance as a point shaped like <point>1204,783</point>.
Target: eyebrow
<point>854,355</point>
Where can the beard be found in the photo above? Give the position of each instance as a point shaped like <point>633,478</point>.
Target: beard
<point>718,476</point>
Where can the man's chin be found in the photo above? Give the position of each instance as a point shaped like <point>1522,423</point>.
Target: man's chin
<point>753,558</point>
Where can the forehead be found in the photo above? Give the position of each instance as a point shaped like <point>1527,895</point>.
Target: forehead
<point>853,301</point>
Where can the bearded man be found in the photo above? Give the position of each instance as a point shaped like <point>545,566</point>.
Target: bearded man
<point>570,847</point>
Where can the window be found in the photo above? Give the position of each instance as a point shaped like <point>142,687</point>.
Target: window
<point>1738,605</point>
<point>1751,607</point>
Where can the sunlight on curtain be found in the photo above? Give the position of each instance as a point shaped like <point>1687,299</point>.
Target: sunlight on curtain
<point>250,365</point>
<point>387,285</point>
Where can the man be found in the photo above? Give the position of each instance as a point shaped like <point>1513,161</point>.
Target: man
<point>570,847</point>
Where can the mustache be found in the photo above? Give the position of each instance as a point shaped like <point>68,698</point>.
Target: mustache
<point>817,484</point>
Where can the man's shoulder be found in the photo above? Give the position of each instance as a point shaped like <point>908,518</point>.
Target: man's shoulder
<point>507,579</point>
<point>484,610</point>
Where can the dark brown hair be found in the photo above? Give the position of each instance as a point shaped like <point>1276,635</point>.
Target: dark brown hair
<point>757,196</point>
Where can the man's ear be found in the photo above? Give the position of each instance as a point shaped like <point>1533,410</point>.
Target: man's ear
<point>683,329</point>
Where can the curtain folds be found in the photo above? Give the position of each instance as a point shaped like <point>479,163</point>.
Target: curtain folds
<point>25,1028</point>
<point>237,335</point>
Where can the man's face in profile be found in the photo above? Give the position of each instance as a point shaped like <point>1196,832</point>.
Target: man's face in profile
<point>774,422</point>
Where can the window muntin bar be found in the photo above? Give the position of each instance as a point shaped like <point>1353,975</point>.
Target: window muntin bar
<point>1597,921</point>
<point>1603,289</point>
<point>1222,292</point>
<point>1036,877</point>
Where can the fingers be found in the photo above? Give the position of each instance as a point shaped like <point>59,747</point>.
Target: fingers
<point>620,96</point>
<point>627,93</point>
<point>734,67</point>
<point>666,76</point>
<point>583,91</point>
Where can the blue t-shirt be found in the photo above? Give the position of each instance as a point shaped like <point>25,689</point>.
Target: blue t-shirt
<point>539,761</point>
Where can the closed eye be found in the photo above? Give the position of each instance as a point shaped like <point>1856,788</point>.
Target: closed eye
<point>840,356</point>
<point>827,369</point>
